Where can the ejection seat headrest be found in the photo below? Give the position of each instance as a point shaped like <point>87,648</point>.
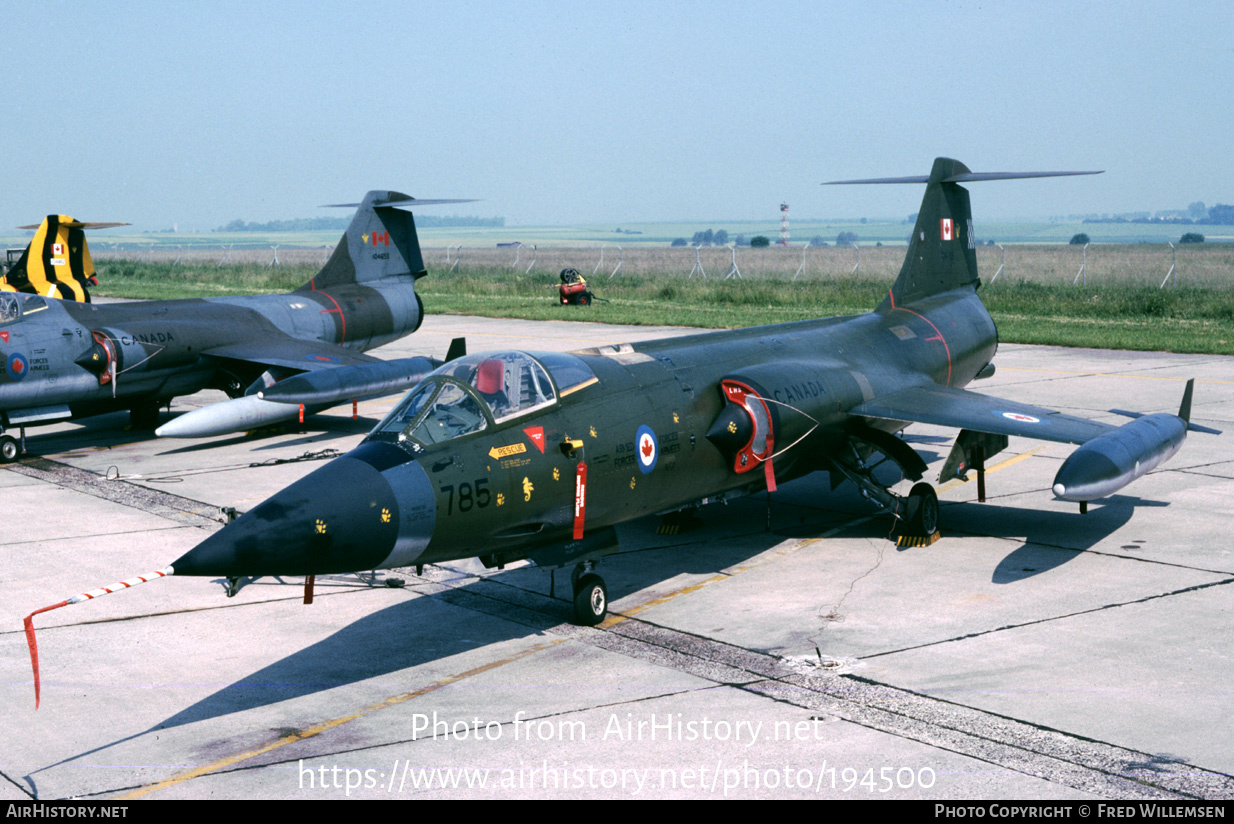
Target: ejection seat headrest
<point>488,377</point>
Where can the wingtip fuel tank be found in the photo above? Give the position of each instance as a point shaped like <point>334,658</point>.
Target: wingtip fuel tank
<point>1109,462</point>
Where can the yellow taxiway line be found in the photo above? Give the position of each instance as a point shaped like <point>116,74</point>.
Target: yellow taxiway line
<point>301,735</point>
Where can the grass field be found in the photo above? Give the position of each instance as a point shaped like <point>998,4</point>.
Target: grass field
<point>1032,301</point>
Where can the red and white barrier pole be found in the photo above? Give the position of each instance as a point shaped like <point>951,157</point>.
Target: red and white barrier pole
<point>77,599</point>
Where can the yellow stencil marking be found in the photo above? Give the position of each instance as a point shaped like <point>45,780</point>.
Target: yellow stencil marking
<point>321,527</point>
<point>385,516</point>
<point>527,489</point>
<point>501,499</point>
<point>498,452</point>
<point>301,735</point>
<point>556,474</point>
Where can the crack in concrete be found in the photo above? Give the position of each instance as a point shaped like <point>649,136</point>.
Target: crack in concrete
<point>1052,618</point>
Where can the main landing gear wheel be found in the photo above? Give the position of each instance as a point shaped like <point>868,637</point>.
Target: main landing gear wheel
<point>920,516</point>
<point>9,450</point>
<point>590,600</point>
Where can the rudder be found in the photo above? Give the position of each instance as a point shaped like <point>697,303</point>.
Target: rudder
<point>379,244</point>
<point>942,252</point>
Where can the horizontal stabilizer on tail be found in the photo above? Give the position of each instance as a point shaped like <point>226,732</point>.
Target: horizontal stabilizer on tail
<point>379,244</point>
<point>963,177</point>
<point>942,251</point>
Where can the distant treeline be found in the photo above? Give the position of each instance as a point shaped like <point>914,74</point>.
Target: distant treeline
<point>317,224</point>
<point>1219,215</point>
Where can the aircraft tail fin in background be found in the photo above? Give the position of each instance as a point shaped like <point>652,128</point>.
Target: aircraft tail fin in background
<point>942,252</point>
<point>380,244</point>
<point>57,262</point>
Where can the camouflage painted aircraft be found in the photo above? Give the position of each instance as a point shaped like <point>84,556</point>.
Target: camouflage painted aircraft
<point>538,455</point>
<point>65,360</point>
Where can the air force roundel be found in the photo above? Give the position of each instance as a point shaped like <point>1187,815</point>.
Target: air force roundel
<point>647,449</point>
<point>1016,416</point>
<point>18,367</point>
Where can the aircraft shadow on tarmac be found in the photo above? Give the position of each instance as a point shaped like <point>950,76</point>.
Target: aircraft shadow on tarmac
<point>1051,539</point>
<point>409,634</point>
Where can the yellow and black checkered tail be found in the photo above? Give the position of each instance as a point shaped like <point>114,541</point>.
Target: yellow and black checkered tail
<point>57,262</point>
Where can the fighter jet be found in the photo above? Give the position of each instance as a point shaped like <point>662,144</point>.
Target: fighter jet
<point>65,360</point>
<point>538,455</point>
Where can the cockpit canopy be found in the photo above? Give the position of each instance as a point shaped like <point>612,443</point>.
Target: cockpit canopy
<point>470,394</point>
<point>15,304</point>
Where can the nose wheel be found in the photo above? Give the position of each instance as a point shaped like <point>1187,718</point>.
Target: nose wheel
<point>590,597</point>
<point>9,449</point>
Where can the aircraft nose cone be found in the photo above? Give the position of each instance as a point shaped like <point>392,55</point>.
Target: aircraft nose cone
<point>343,517</point>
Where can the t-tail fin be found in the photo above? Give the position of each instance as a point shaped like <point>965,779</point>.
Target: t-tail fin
<point>942,252</point>
<point>57,262</point>
<point>380,244</point>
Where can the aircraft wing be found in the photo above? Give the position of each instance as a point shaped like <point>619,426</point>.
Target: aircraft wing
<point>292,353</point>
<point>959,408</point>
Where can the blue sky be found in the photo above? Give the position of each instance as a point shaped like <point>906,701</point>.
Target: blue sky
<point>611,113</point>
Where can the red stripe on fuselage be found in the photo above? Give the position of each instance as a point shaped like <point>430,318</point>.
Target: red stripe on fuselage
<point>939,337</point>
<point>337,308</point>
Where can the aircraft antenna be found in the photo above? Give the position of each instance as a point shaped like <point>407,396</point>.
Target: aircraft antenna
<point>531,267</point>
<point>783,224</point>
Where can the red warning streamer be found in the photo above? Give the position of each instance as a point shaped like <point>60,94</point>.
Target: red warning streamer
<point>580,499</point>
<point>77,599</point>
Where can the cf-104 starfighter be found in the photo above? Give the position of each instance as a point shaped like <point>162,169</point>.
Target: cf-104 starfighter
<point>536,455</point>
<point>64,359</point>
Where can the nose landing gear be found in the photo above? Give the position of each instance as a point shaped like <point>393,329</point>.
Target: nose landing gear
<point>590,595</point>
<point>11,448</point>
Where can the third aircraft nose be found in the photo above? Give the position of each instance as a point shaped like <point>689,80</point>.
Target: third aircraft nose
<point>343,517</point>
